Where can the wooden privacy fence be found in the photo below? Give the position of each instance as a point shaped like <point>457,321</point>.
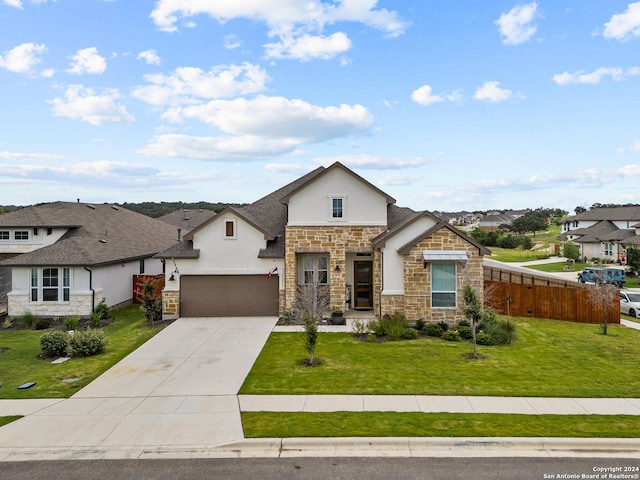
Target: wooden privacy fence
<point>527,295</point>
<point>137,284</point>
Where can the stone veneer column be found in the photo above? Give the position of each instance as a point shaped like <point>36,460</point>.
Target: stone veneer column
<point>170,304</point>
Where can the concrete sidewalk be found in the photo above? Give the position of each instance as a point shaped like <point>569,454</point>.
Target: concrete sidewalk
<point>177,397</point>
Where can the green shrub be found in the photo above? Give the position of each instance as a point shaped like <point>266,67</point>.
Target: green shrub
<point>433,330</point>
<point>54,344</point>
<point>8,322</point>
<point>451,336</point>
<point>483,338</point>
<point>444,326</point>
<point>87,343</point>
<point>394,331</point>
<point>371,337</point>
<point>71,323</point>
<point>464,323</point>
<point>359,327</point>
<point>96,319</point>
<point>42,323</point>
<point>465,332</point>
<point>28,320</point>
<point>420,324</point>
<point>503,332</point>
<point>409,334</point>
<point>101,311</point>
<point>377,328</point>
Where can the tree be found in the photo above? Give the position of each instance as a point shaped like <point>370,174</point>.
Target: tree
<point>312,303</point>
<point>473,311</point>
<point>570,250</point>
<point>534,221</point>
<point>148,292</point>
<point>633,258</point>
<point>579,210</point>
<point>603,296</point>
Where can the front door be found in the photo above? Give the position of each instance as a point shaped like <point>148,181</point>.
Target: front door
<point>363,284</point>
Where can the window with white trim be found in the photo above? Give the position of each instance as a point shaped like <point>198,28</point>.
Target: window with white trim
<point>4,234</point>
<point>21,235</point>
<point>50,284</point>
<point>443,285</point>
<point>338,208</point>
<point>608,249</point>
<point>314,268</point>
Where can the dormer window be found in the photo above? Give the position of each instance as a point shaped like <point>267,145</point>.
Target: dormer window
<point>229,229</point>
<point>21,235</point>
<point>338,208</point>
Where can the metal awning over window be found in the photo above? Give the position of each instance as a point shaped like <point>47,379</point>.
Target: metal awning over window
<point>431,256</point>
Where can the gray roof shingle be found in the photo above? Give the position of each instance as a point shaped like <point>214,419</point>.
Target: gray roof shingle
<point>98,234</point>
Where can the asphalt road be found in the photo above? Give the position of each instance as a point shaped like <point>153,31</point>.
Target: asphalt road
<point>327,469</point>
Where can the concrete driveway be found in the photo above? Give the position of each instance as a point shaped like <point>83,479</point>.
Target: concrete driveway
<point>178,389</point>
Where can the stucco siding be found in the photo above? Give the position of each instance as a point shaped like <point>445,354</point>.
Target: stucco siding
<point>312,205</point>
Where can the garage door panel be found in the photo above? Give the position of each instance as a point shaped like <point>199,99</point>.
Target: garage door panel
<point>228,295</point>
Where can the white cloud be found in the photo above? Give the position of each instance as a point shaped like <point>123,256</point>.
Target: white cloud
<point>424,96</point>
<point>185,84</point>
<point>398,180</point>
<point>6,155</point>
<point>87,60</point>
<point>231,42</point>
<point>596,76</point>
<point>264,126</point>
<point>306,47</point>
<point>314,13</point>
<point>517,25</point>
<point>281,117</point>
<point>289,168</point>
<point>492,92</point>
<point>84,104</point>
<point>149,56</point>
<point>23,58</point>
<point>298,25</point>
<point>633,148</point>
<point>373,162</point>
<point>624,26</point>
<point>14,3</point>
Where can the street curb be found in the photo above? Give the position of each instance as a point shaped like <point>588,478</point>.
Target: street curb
<point>350,447</point>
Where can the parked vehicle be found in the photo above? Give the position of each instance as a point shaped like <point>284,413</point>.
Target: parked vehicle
<point>602,276</point>
<point>630,303</point>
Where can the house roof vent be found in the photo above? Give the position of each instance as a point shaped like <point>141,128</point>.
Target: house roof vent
<point>92,207</point>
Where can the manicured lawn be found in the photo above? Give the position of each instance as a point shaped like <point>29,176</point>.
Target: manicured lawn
<point>20,363</point>
<point>515,254</point>
<point>378,424</point>
<point>549,359</point>
<point>558,267</point>
<point>6,420</point>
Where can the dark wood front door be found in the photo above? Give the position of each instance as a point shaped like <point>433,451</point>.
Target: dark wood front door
<point>363,272</point>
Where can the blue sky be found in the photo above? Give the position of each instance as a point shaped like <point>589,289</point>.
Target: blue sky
<point>445,105</point>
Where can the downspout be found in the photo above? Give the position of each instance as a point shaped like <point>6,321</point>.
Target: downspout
<point>93,292</point>
<point>381,283</point>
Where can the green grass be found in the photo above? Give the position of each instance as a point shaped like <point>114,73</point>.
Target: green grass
<point>558,267</point>
<point>388,424</point>
<point>549,359</point>
<point>20,364</point>
<point>516,254</point>
<point>7,420</point>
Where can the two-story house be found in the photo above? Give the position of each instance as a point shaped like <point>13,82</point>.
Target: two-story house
<point>330,227</point>
<point>603,233</point>
<point>67,257</point>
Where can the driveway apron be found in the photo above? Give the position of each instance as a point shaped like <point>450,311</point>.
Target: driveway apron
<point>178,389</point>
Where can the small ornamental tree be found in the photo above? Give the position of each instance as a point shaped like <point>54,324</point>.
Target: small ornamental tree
<point>602,296</point>
<point>312,303</point>
<point>474,312</point>
<point>570,250</point>
<point>147,292</point>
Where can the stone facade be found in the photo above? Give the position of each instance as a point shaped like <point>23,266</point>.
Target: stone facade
<point>417,279</point>
<point>78,304</point>
<point>170,304</point>
<point>336,242</point>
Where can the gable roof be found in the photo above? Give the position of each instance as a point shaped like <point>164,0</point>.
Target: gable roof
<point>187,219</point>
<point>601,231</point>
<point>398,220</point>
<point>613,214</point>
<point>97,234</point>
<point>406,248</point>
<point>334,166</point>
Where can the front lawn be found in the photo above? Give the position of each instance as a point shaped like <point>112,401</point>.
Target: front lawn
<point>549,359</point>
<point>390,424</point>
<point>7,420</point>
<point>19,362</point>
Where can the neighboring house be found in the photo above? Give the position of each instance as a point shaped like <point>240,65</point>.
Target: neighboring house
<point>187,219</point>
<point>603,233</point>
<point>330,227</point>
<point>493,221</point>
<point>71,256</point>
